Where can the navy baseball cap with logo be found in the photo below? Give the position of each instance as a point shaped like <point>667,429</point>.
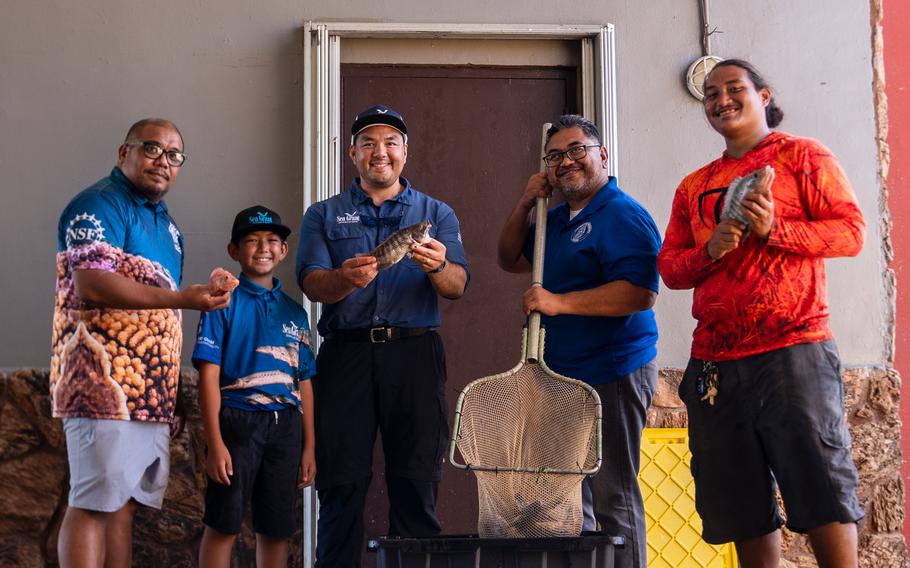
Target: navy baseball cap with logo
<point>378,114</point>
<point>258,218</point>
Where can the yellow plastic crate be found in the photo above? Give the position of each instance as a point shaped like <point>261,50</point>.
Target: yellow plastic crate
<point>674,527</point>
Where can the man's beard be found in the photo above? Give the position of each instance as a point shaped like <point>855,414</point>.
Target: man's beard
<point>578,190</point>
<point>151,192</point>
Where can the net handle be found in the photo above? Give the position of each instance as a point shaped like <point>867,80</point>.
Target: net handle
<point>540,236</point>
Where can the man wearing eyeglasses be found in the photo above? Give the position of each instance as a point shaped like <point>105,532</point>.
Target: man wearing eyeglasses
<point>382,364</point>
<point>116,344</point>
<point>599,284</point>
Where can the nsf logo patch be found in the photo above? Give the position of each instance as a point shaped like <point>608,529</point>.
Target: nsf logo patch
<point>582,232</point>
<point>175,234</point>
<point>84,229</point>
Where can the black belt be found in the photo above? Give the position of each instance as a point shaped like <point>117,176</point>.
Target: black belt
<point>378,334</point>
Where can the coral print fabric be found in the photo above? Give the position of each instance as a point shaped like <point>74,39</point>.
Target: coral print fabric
<point>112,363</point>
<point>770,294</point>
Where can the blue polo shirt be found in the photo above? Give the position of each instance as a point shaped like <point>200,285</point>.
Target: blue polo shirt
<point>342,226</point>
<point>612,238</point>
<point>262,343</point>
<point>109,363</point>
<point>113,212</point>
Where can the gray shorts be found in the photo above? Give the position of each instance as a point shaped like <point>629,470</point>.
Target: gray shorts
<point>113,461</point>
<point>778,416</point>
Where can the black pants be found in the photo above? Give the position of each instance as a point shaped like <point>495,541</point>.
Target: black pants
<point>398,388</point>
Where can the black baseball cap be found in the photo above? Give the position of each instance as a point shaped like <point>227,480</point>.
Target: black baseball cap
<point>378,114</point>
<point>258,218</point>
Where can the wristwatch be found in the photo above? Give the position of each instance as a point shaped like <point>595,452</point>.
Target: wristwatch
<point>440,268</point>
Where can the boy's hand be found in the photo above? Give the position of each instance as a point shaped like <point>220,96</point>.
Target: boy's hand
<point>218,464</point>
<point>307,469</point>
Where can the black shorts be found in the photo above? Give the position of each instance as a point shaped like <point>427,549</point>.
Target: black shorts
<point>265,451</point>
<point>777,416</point>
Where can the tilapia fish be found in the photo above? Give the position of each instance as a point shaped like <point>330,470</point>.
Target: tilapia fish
<point>398,245</point>
<point>739,188</point>
<point>221,281</point>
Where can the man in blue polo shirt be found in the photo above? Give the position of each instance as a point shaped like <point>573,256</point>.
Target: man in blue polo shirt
<point>115,365</point>
<point>255,361</point>
<point>382,364</point>
<point>600,282</point>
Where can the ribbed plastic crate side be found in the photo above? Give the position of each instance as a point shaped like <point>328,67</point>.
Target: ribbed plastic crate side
<point>673,525</point>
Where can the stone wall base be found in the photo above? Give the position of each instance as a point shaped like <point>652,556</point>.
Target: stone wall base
<point>871,397</point>
<point>34,477</point>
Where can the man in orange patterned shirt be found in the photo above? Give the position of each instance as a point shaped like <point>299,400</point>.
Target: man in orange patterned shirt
<point>763,388</point>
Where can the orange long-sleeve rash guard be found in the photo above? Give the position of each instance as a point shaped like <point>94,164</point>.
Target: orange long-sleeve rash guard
<point>766,294</point>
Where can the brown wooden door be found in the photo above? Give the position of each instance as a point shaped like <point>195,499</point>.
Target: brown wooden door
<point>474,138</point>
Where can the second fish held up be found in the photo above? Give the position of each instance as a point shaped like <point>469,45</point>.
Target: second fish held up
<point>398,245</point>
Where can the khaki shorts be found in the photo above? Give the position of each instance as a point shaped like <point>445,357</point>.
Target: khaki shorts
<point>113,461</point>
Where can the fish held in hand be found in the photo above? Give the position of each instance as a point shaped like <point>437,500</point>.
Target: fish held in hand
<point>398,245</point>
<point>221,281</point>
<point>739,189</point>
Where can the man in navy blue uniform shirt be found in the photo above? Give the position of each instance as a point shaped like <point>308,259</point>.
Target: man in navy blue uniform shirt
<point>382,364</point>
<point>600,282</point>
<point>115,366</point>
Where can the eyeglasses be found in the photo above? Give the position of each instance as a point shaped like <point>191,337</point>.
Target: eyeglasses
<point>153,151</point>
<point>574,153</point>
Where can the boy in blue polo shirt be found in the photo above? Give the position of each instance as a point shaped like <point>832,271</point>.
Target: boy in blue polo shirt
<point>254,362</point>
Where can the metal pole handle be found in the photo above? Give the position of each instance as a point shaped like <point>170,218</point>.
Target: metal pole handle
<point>540,236</point>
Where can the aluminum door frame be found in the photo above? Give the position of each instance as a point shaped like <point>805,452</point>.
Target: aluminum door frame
<point>324,144</point>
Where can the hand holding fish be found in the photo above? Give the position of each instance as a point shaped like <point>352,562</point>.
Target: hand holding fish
<point>726,237</point>
<point>429,256</point>
<point>359,271</point>
<point>758,206</point>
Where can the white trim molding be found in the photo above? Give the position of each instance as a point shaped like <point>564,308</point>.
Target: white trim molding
<point>323,146</point>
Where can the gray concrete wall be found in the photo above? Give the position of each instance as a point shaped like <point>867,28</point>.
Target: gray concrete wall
<point>74,75</point>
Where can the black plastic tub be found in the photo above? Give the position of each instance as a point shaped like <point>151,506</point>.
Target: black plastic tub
<point>470,551</point>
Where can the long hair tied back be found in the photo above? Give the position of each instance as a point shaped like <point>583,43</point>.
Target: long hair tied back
<point>773,113</point>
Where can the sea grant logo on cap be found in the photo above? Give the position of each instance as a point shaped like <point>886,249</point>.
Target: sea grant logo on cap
<point>378,114</point>
<point>258,218</point>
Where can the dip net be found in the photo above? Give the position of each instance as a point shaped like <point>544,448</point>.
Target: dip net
<point>530,436</point>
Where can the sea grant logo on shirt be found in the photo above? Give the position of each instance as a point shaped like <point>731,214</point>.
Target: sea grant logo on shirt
<point>84,229</point>
<point>207,341</point>
<point>175,234</point>
<point>291,330</point>
<point>348,218</point>
<point>582,232</point>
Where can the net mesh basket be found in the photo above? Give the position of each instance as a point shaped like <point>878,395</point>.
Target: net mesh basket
<point>530,435</point>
